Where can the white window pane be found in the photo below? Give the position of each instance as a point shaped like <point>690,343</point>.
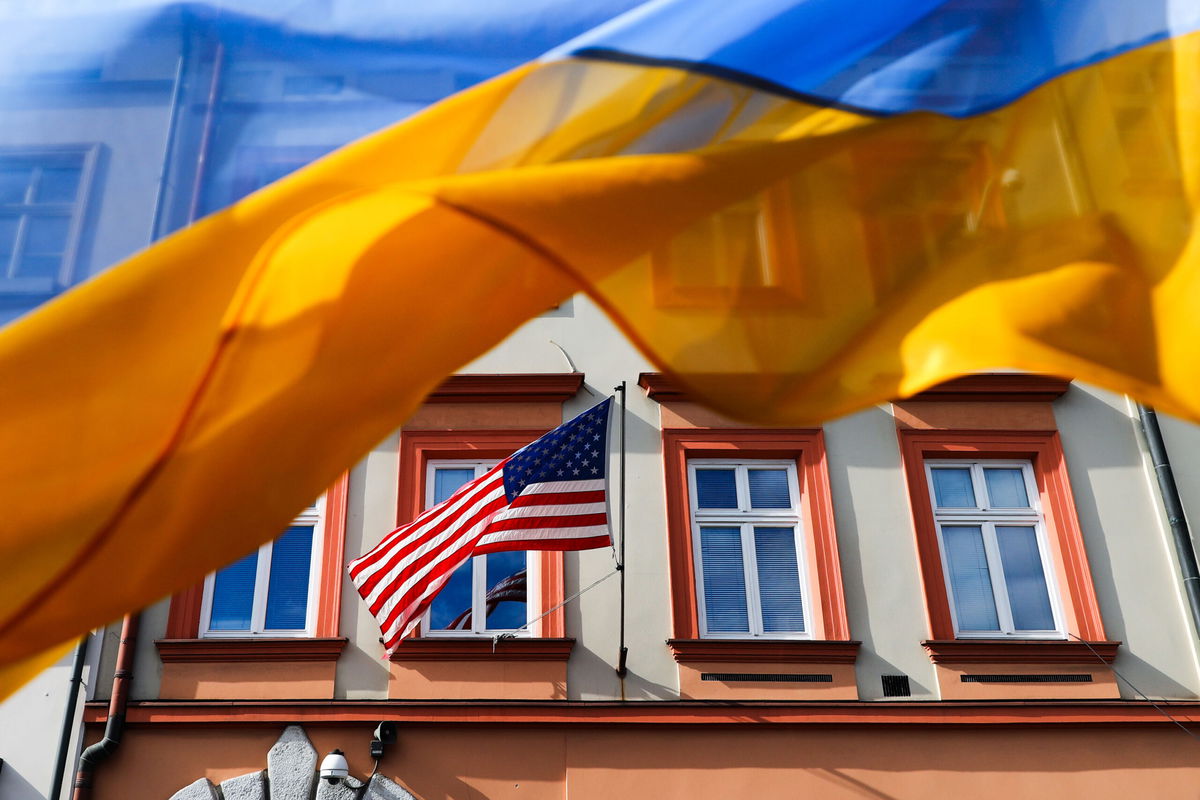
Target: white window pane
<point>970,580</point>
<point>448,480</point>
<point>451,608</point>
<point>952,487</point>
<point>507,591</point>
<point>287,593</point>
<point>1006,487</point>
<point>778,580</point>
<point>1027,592</point>
<point>716,488</point>
<point>233,595</point>
<point>724,580</point>
<point>769,488</point>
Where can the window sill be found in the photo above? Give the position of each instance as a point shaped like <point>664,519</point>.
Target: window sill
<point>1018,651</point>
<point>483,649</point>
<point>764,651</point>
<point>193,651</point>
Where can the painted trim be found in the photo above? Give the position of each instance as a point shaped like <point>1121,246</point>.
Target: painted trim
<point>1026,651</point>
<point>477,648</point>
<point>183,618</point>
<point>992,387</point>
<point>731,713</point>
<point>1081,610</point>
<point>764,651</point>
<point>517,388</point>
<point>804,446</point>
<point>661,388</point>
<point>193,651</point>
<point>418,447</point>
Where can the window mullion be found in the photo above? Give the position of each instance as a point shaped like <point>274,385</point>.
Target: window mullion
<point>996,571</point>
<point>478,588</point>
<point>750,571</point>
<point>262,578</point>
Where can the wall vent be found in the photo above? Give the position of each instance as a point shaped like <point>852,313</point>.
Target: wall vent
<point>1070,678</point>
<point>895,686</point>
<point>767,677</point>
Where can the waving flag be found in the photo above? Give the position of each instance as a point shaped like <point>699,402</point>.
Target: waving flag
<point>797,207</point>
<point>549,495</point>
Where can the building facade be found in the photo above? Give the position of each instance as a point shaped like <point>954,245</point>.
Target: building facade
<point>968,593</point>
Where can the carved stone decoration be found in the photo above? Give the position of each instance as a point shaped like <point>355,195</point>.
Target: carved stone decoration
<point>291,774</point>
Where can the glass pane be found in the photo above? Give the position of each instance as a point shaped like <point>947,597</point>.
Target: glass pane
<point>507,588</point>
<point>448,480</point>
<point>46,235</point>
<point>970,580</point>
<point>8,239</point>
<point>716,488</point>
<point>37,266</point>
<point>451,608</point>
<point>14,181</point>
<point>287,592</point>
<point>1027,592</point>
<point>233,595</point>
<point>952,487</point>
<point>1006,487</point>
<point>58,185</point>
<point>769,488</point>
<point>724,580</point>
<point>778,580</point>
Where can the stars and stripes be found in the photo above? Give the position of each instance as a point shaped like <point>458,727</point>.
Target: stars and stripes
<point>549,495</point>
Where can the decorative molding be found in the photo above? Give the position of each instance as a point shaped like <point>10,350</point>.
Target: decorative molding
<point>1002,713</point>
<point>555,387</point>
<point>198,651</point>
<point>1021,651</point>
<point>764,651</point>
<point>661,387</point>
<point>437,648</point>
<point>996,386</point>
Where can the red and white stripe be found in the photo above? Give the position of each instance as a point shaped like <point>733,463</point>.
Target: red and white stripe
<point>399,578</point>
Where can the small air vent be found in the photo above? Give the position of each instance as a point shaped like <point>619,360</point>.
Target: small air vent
<point>895,686</point>
<point>1074,678</point>
<point>768,677</point>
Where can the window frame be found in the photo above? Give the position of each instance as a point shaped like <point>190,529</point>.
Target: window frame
<point>478,575</point>
<point>1080,610</point>
<point>745,519</point>
<point>313,516</point>
<point>987,518</point>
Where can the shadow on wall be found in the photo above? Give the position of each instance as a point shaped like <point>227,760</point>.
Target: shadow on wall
<point>13,785</point>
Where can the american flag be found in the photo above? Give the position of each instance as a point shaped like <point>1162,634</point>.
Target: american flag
<point>549,495</point>
<point>514,588</point>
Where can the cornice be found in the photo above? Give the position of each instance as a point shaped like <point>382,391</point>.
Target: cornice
<point>265,649</point>
<point>765,651</point>
<point>436,648</point>
<point>996,386</point>
<point>555,387</point>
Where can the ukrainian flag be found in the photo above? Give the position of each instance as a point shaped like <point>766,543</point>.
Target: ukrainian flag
<point>796,208</point>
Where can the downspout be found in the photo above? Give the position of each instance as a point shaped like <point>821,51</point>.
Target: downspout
<point>122,679</point>
<point>1169,492</point>
<point>68,726</point>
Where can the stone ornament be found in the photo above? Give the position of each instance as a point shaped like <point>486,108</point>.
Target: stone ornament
<point>291,774</point>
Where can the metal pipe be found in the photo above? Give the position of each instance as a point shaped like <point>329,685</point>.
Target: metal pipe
<point>122,679</point>
<point>624,651</point>
<point>68,726</point>
<point>1169,491</point>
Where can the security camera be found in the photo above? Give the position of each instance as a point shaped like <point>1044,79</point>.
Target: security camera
<point>334,767</point>
<point>385,733</point>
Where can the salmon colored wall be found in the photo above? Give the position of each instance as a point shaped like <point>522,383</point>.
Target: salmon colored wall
<point>486,415</point>
<point>1103,685</point>
<point>494,680</point>
<point>669,762</point>
<point>248,680</point>
<point>974,416</point>
<point>693,687</point>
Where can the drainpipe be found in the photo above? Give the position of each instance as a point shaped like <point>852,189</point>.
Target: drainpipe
<point>68,726</point>
<point>1169,492</point>
<point>122,679</point>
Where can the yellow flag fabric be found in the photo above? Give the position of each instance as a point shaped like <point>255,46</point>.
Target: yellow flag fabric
<point>787,262</point>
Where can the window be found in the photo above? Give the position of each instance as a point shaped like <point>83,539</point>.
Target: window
<point>270,592</point>
<point>747,538</point>
<point>994,552</point>
<point>488,594</point>
<point>41,199</point>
